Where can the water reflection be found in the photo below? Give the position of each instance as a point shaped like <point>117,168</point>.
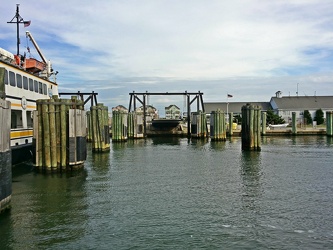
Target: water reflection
<point>47,208</point>
<point>167,140</point>
<point>251,172</point>
<point>218,145</point>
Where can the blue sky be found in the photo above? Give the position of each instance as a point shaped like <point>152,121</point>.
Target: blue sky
<point>248,48</point>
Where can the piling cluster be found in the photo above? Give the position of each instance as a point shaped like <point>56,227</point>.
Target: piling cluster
<point>119,126</point>
<point>59,133</point>
<point>135,125</point>
<point>218,130</point>
<point>199,125</point>
<point>98,128</point>
<point>251,119</point>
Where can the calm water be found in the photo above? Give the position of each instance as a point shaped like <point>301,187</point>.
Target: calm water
<point>177,194</point>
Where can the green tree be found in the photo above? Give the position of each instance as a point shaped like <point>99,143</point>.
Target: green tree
<point>307,117</point>
<point>273,118</point>
<point>319,116</point>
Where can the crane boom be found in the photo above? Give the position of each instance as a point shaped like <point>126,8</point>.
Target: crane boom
<point>28,34</point>
<point>48,71</point>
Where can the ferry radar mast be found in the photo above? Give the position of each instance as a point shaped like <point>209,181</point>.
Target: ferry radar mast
<point>19,20</point>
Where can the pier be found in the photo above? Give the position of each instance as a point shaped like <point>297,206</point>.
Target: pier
<point>196,97</point>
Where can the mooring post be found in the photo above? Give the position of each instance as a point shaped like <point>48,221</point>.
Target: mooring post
<point>294,123</point>
<point>217,126</point>
<point>251,127</point>
<point>5,155</point>
<point>58,129</point>
<point>231,118</point>
<point>59,133</point>
<point>130,122</point>
<point>64,106</point>
<point>263,123</point>
<point>119,126</point>
<point>329,123</point>
<point>46,135</point>
<point>88,114</point>
<point>53,135</point>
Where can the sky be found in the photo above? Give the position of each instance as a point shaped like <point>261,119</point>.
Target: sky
<point>249,49</point>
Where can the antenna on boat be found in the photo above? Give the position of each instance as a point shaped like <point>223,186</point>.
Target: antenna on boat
<point>19,20</point>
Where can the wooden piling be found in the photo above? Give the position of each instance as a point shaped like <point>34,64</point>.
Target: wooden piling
<point>39,134</point>
<point>58,129</point>
<point>329,123</point>
<point>54,118</point>
<point>53,135</point>
<point>100,128</point>
<point>46,136</point>
<point>263,124</point>
<point>5,155</point>
<point>199,125</point>
<point>251,116</point>
<point>2,83</point>
<point>217,126</point>
<point>231,122</point>
<point>119,126</point>
<point>89,126</point>
<point>294,123</point>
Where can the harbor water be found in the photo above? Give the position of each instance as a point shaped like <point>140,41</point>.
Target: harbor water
<point>175,193</point>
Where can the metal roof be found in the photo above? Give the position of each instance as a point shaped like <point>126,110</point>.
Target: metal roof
<point>303,102</point>
<point>235,107</point>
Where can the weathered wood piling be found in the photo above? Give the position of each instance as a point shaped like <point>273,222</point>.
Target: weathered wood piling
<point>135,125</point>
<point>329,123</point>
<point>119,126</point>
<point>231,122</point>
<point>263,123</point>
<point>294,123</point>
<point>89,126</point>
<point>251,136</point>
<point>59,133</point>
<point>100,131</point>
<point>217,126</point>
<point>2,83</point>
<point>199,125</point>
<point>5,155</point>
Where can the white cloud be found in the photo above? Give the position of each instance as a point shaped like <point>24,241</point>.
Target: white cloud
<point>248,47</point>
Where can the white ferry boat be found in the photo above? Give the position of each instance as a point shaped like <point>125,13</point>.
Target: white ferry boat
<point>25,80</point>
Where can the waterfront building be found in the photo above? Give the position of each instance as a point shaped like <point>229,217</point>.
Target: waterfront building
<point>151,112</point>
<point>120,108</point>
<point>172,112</point>
<point>285,105</point>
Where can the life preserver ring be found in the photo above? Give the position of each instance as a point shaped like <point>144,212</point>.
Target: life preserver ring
<point>24,102</point>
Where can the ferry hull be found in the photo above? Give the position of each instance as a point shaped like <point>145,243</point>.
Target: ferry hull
<point>22,153</point>
<point>165,123</point>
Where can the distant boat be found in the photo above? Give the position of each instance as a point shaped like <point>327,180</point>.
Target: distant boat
<point>165,123</point>
<point>278,125</point>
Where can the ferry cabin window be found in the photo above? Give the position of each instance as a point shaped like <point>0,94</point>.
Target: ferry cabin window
<point>36,86</point>
<point>25,82</point>
<point>6,77</point>
<point>44,89</point>
<point>16,119</point>
<point>40,88</point>
<point>31,84</point>
<point>29,119</point>
<point>12,81</point>
<point>18,81</point>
